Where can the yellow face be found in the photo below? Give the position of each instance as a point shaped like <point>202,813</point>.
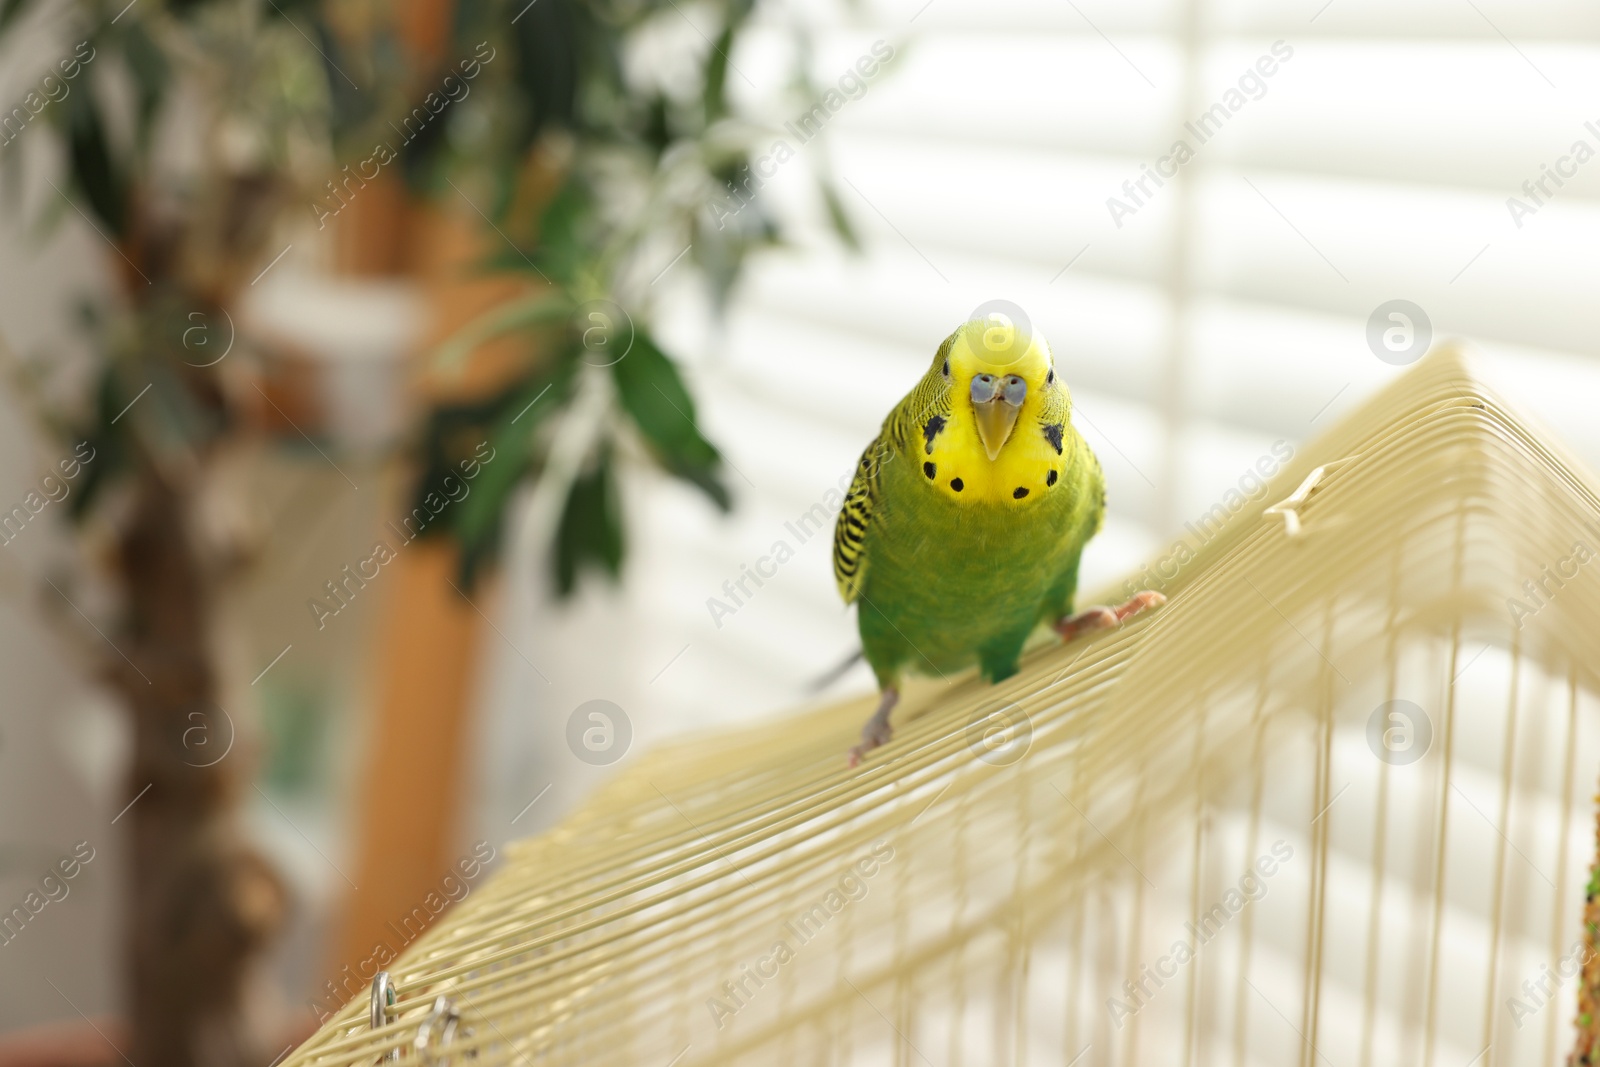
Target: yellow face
<point>1008,413</point>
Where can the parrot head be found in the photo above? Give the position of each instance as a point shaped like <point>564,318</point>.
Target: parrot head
<point>994,369</point>
<point>1006,407</point>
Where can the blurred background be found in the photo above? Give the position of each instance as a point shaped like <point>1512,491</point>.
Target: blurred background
<point>388,384</point>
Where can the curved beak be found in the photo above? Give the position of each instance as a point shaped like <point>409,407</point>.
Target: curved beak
<point>996,403</point>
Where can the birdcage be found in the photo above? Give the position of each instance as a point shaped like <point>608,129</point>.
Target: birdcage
<point>1330,805</point>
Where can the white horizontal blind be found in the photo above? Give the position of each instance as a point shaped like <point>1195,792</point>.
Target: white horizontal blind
<point>1227,311</point>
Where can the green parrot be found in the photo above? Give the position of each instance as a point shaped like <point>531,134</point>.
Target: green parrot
<point>963,528</point>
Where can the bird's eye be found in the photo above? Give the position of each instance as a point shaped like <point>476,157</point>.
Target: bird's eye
<point>947,368</point>
<point>1050,377</point>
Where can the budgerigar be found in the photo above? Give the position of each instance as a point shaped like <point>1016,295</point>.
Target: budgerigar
<point>963,528</point>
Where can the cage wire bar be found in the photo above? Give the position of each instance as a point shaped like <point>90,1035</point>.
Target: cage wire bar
<point>1195,840</point>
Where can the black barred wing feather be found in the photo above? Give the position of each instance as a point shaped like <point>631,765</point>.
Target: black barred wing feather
<point>850,533</point>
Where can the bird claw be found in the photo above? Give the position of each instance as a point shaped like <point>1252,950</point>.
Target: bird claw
<point>1141,601</point>
<point>1104,618</point>
<point>876,733</point>
<point>878,730</point>
<point>1096,618</point>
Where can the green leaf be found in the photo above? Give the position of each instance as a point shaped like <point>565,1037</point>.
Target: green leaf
<point>654,396</point>
<point>109,449</point>
<point>565,245</point>
<point>590,531</point>
<point>481,517</point>
<point>151,74</point>
<point>657,128</point>
<point>9,10</point>
<point>839,217</point>
<point>92,165</point>
<point>488,447</point>
<point>548,48</point>
<point>444,434</point>
<point>518,313</point>
<point>716,96</point>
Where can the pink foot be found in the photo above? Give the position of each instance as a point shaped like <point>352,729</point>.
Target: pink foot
<point>1104,618</point>
<point>877,730</point>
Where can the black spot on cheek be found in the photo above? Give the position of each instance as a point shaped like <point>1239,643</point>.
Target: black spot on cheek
<point>957,484</point>
<point>930,431</point>
<point>1019,492</point>
<point>1051,480</point>
<point>1052,433</point>
<point>929,469</point>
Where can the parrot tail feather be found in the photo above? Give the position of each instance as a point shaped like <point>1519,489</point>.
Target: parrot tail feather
<point>833,674</point>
